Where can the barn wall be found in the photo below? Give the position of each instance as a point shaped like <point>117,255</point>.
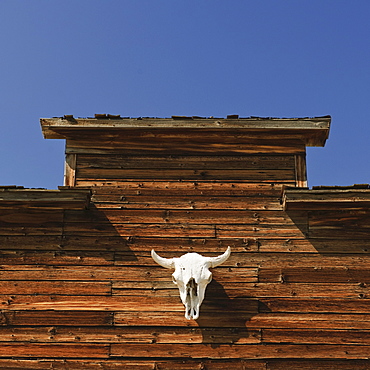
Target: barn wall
<point>80,290</point>
<point>100,160</point>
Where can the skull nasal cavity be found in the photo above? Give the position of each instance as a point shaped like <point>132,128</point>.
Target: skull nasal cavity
<point>191,286</point>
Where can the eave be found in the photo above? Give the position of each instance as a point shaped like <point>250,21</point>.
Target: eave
<point>72,199</point>
<point>326,198</point>
<point>311,131</point>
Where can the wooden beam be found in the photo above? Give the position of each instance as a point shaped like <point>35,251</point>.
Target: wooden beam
<point>313,131</point>
<point>41,198</point>
<point>70,170</point>
<point>325,199</point>
<point>301,171</point>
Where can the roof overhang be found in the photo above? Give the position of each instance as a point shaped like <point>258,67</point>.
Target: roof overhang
<point>64,198</point>
<point>311,131</point>
<point>326,198</point>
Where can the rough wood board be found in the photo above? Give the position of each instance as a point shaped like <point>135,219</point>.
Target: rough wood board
<point>148,230</point>
<point>36,198</point>
<point>192,216</point>
<point>263,260</point>
<point>85,274</point>
<point>55,287</point>
<point>204,144</point>
<point>315,275</point>
<point>252,351</point>
<point>116,243</point>
<point>301,170</point>
<point>318,364</point>
<point>207,188</point>
<point>182,230</point>
<point>314,336</point>
<point>185,162</point>
<point>249,320</point>
<point>133,364</point>
<point>252,175</point>
<point>51,317</point>
<point>314,305</point>
<point>70,170</point>
<point>188,202</point>
<point>56,258</point>
<point>314,130</point>
<point>123,334</point>
<point>54,350</point>
<point>238,290</point>
<point>334,199</point>
<point>322,246</point>
<point>260,231</point>
<point>139,303</point>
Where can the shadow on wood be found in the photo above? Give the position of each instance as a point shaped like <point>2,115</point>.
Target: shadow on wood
<point>224,320</point>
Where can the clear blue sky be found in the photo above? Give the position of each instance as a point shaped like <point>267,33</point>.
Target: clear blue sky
<point>287,58</point>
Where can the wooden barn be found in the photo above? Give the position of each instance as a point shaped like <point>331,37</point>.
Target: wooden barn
<point>80,290</point>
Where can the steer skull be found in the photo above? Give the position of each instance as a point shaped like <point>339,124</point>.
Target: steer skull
<point>191,276</point>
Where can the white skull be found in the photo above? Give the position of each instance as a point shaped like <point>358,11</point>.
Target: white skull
<point>191,275</point>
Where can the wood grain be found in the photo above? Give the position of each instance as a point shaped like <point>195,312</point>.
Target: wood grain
<point>80,289</point>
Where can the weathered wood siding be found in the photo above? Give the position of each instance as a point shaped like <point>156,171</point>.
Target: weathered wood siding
<point>194,156</point>
<point>80,285</point>
<point>80,290</point>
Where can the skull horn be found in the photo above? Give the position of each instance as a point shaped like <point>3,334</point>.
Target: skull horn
<point>216,261</point>
<point>167,263</point>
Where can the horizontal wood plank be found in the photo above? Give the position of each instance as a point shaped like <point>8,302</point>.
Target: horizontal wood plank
<point>249,320</point>
<point>54,258</point>
<point>329,199</point>
<point>132,303</point>
<point>190,188</point>
<point>310,320</point>
<point>55,287</point>
<point>149,230</point>
<point>183,230</point>
<point>176,145</point>
<point>44,199</point>
<point>67,350</point>
<point>13,216</point>
<point>315,275</point>
<point>185,162</point>
<point>87,243</point>
<point>314,305</point>
<point>326,364</point>
<point>123,334</point>
<point>195,216</point>
<point>314,336</point>
<point>133,364</point>
<point>18,274</point>
<point>233,290</point>
<point>277,175</point>
<point>188,202</point>
<point>263,260</point>
<point>260,231</point>
<point>322,246</point>
<point>252,351</point>
<point>50,317</point>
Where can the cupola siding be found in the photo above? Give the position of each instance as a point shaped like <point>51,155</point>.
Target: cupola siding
<point>80,289</point>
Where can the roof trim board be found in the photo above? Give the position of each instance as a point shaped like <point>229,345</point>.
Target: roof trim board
<point>312,131</point>
<point>73,199</point>
<point>336,198</point>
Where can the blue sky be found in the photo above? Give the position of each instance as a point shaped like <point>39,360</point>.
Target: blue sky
<point>287,58</point>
